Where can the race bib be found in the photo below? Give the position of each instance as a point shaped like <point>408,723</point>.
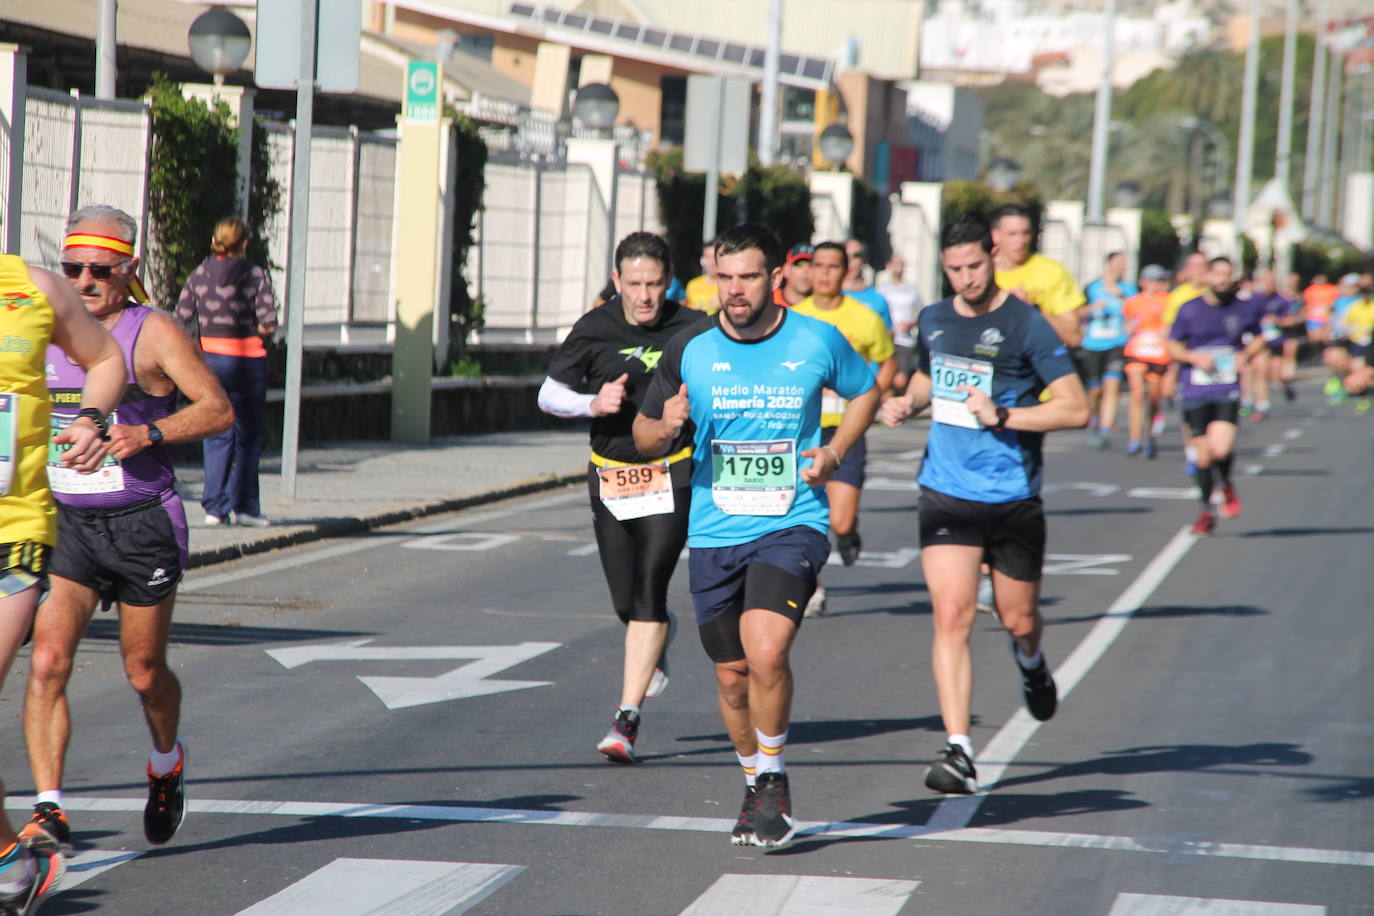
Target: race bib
<point>948,373</point>
<point>636,490</point>
<point>831,402</point>
<point>1149,345</point>
<point>1223,371</point>
<point>754,477</point>
<point>9,440</point>
<point>1269,329</point>
<point>108,478</point>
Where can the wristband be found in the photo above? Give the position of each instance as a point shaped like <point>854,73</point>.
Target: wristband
<point>833,454</point>
<point>98,418</point>
<point>1002,414</point>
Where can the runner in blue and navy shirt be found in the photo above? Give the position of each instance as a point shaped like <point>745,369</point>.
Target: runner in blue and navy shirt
<point>1101,358</point>
<point>748,385</point>
<point>1209,338</point>
<point>983,359</point>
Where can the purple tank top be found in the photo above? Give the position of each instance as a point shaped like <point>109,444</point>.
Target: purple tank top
<point>117,483</point>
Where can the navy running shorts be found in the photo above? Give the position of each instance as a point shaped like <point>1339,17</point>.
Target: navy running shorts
<point>776,572</point>
<point>851,469</point>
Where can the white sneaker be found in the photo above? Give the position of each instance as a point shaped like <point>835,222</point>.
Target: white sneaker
<point>659,681</point>
<point>816,606</point>
<point>213,521</point>
<point>251,521</point>
<point>986,600</point>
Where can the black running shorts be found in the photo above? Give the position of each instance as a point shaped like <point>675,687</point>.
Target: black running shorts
<point>1012,534</point>
<point>1150,368</point>
<point>851,469</point>
<point>776,572</point>
<point>638,555</point>
<point>1197,415</point>
<point>1095,365</point>
<point>135,555</point>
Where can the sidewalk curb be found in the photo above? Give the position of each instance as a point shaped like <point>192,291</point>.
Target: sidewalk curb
<point>338,527</point>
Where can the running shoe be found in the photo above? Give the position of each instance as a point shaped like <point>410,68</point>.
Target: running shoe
<point>1332,388</point>
<point>1099,440</point>
<point>1205,523</point>
<point>658,682</point>
<point>1288,392</point>
<point>48,829</point>
<point>986,600</point>
<point>1157,424</point>
<point>1133,447</point>
<point>1362,406</point>
<point>1037,687</point>
<point>816,606</point>
<point>1151,449</point>
<point>952,773</point>
<point>1230,503</point>
<point>166,807</point>
<point>619,744</point>
<point>743,834</point>
<point>773,823</point>
<point>48,868</point>
<point>213,521</point>
<point>849,545</point>
<point>1246,410</point>
<point>243,519</point>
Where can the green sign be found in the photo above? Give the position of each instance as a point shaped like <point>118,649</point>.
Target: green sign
<point>422,92</point>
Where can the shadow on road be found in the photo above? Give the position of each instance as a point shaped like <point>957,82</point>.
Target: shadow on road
<point>216,634</point>
<point>1169,758</point>
<point>1304,532</point>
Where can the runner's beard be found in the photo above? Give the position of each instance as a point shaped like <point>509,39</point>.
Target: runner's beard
<point>748,322</point>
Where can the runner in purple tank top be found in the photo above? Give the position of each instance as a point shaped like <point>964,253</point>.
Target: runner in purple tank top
<point>121,530</point>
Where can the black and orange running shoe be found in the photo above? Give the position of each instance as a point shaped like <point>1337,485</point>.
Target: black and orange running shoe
<point>48,829</point>
<point>166,807</point>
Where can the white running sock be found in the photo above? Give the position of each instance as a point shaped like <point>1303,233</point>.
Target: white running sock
<point>770,752</point>
<point>749,766</point>
<point>55,796</point>
<point>161,764</point>
<point>628,707</point>
<point>964,742</point>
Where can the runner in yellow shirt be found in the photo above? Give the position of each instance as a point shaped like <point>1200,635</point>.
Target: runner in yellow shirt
<point>868,335</point>
<point>1040,281</point>
<point>702,292</point>
<point>1190,285</point>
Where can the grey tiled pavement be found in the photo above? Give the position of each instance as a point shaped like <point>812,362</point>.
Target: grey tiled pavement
<point>348,487</point>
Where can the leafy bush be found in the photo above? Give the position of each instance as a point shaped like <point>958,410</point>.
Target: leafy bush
<point>1159,243</point>
<point>977,198</point>
<point>465,312</point>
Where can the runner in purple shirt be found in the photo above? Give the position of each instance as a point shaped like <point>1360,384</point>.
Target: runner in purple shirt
<point>1209,337</point>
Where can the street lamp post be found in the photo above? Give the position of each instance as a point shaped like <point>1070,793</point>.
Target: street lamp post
<point>595,108</point>
<point>1003,174</point>
<point>836,144</point>
<point>219,44</point>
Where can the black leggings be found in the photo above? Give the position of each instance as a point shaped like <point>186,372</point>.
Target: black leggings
<point>638,556</point>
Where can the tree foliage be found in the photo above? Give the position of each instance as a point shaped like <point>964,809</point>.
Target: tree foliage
<point>465,313</point>
<point>191,186</point>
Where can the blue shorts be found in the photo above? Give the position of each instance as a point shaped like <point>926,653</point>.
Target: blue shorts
<point>776,572</point>
<point>851,469</point>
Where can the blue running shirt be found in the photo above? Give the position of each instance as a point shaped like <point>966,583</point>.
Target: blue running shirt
<point>756,406</point>
<point>1107,319</point>
<point>1012,353</point>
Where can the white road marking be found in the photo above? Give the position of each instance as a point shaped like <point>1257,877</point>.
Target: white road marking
<point>586,550</point>
<point>1273,451</point>
<point>403,692</point>
<point>1159,905</point>
<point>801,895</point>
<point>1162,493</point>
<point>1092,489</point>
<point>958,811</point>
<point>902,484</point>
<point>254,569</point>
<point>858,829</point>
<point>1291,434</point>
<point>910,455</point>
<point>468,541</point>
<point>882,559</point>
<point>1083,564</point>
<point>547,615</point>
<point>387,887</point>
<point>1252,470</point>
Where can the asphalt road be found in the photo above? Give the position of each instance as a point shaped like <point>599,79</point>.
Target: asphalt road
<point>405,722</point>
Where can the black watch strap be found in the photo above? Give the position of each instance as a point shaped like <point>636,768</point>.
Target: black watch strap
<point>1002,414</point>
<point>98,418</point>
<point>154,434</point>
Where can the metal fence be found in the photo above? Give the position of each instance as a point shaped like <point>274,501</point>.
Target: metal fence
<point>76,151</point>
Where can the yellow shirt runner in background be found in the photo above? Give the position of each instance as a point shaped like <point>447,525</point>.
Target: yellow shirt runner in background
<point>1048,284</point>
<point>866,333</point>
<point>703,295</point>
<point>1184,292</point>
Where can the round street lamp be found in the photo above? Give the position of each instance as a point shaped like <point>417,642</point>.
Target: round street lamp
<point>1220,205</point>
<point>1127,194</point>
<point>1003,174</point>
<point>836,144</point>
<point>596,106</point>
<point>219,42</point>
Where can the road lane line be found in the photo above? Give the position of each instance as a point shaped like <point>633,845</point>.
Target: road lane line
<point>551,817</point>
<point>1161,905</point>
<point>958,811</point>
<point>785,895</point>
<point>387,887</point>
<point>199,583</point>
<point>1291,434</point>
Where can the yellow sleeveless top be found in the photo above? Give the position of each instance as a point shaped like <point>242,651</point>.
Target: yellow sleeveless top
<point>27,511</point>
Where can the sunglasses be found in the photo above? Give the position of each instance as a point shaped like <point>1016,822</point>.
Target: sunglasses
<point>72,269</point>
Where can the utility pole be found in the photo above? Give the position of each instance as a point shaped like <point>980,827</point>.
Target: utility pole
<point>1102,116</point>
<point>1312,155</point>
<point>768,96</point>
<point>105,50</point>
<point>1245,152</point>
<point>1283,152</point>
<point>1326,182</point>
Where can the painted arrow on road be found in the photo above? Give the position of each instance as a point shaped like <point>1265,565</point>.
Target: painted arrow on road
<point>400,692</point>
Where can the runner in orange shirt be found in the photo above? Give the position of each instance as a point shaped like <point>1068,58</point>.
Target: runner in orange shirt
<point>1316,306</point>
<point>1147,357</point>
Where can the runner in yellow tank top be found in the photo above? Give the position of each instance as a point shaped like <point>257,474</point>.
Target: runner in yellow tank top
<point>1034,278</point>
<point>37,307</point>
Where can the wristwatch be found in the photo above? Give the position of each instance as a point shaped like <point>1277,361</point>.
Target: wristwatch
<point>1002,414</point>
<point>98,418</point>
<point>154,434</point>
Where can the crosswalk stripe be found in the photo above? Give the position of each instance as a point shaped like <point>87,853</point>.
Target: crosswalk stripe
<point>88,863</point>
<point>795,895</point>
<point>387,887</point>
<point>555,818</point>
<point>1157,905</point>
